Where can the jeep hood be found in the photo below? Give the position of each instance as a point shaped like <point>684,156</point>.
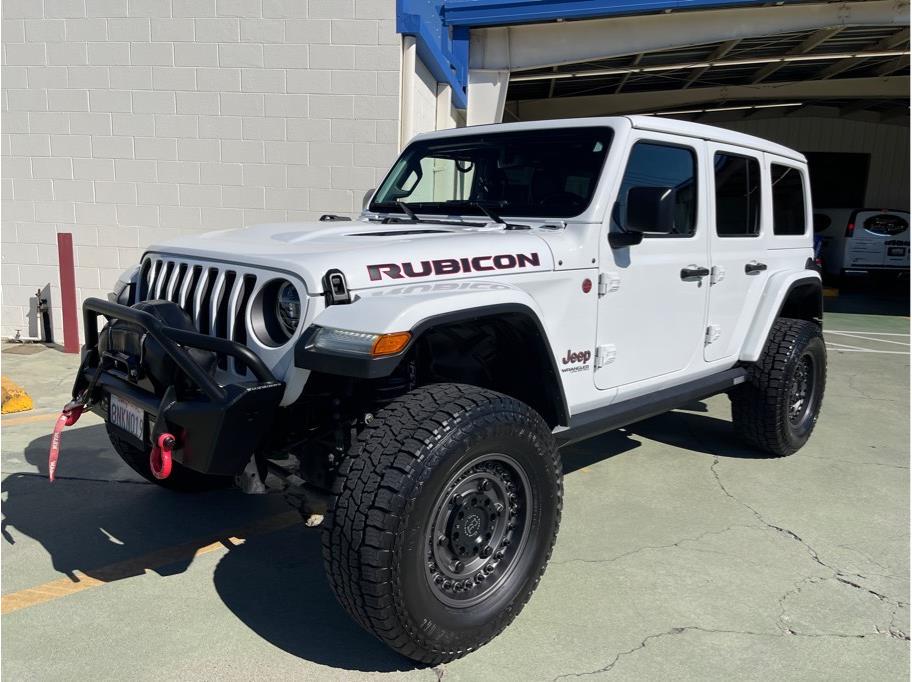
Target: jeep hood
<point>370,254</point>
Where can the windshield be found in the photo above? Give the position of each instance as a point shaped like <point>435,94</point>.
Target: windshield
<point>548,173</point>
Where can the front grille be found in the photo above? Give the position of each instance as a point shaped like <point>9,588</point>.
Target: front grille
<point>216,298</point>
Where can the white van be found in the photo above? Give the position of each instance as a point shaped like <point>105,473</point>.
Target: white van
<point>863,240</point>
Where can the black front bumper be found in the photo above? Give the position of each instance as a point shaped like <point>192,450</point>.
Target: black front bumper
<point>217,426</point>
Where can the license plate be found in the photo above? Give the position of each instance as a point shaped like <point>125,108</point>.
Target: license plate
<point>127,416</point>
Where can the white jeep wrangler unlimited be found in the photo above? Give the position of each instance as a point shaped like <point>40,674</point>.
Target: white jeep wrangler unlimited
<point>411,374</point>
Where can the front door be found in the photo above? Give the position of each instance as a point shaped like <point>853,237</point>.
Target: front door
<point>652,303</point>
<point>739,227</point>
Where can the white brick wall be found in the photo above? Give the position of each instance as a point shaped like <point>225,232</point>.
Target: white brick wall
<point>132,121</point>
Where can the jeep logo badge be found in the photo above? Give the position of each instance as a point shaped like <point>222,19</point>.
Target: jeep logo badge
<point>582,356</point>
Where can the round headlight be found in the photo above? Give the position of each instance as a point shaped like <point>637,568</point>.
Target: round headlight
<point>288,307</point>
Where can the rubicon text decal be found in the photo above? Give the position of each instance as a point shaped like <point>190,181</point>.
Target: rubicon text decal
<point>452,266</point>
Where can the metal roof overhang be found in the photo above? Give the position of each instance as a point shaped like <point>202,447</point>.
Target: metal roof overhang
<point>720,49</point>
<point>441,27</point>
<point>847,69</point>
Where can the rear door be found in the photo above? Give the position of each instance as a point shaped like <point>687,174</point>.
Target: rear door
<point>738,231</point>
<point>878,239</point>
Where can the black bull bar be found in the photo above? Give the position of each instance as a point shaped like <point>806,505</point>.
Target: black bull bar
<point>217,427</point>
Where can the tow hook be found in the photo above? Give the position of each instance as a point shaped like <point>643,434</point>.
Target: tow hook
<point>160,457</point>
<point>69,416</point>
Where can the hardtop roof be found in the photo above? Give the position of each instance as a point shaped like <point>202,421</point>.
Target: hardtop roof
<point>713,133</point>
<point>640,122</point>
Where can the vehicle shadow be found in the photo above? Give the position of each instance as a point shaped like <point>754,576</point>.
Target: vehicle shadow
<point>276,586</point>
<point>110,525</point>
<point>103,520</point>
<point>688,429</point>
<point>597,449</point>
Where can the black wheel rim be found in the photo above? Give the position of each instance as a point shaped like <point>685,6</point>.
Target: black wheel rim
<point>801,391</point>
<point>478,530</point>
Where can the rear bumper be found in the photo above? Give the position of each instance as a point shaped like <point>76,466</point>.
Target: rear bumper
<point>217,426</point>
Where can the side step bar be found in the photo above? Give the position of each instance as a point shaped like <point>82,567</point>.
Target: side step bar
<point>594,422</point>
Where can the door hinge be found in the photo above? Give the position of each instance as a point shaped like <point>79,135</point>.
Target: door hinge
<point>717,274</point>
<point>713,332</point>
<point>608,282</point>
<point>605,355</point>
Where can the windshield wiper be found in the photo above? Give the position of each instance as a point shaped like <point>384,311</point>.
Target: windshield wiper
<point>408,210</point>
<point>495,217</point>
<point>487,211</point>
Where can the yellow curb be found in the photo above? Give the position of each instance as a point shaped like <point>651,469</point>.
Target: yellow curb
<point>15,399</point>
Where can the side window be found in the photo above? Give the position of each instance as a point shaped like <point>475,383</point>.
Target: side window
<point>652,164</point>
<point>788,200</point>
<point>737,195</point>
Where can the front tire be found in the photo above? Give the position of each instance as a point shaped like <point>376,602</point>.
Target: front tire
<point>443,519</point>
<point>777,408</point>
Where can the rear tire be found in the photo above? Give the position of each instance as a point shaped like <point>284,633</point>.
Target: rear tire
<point>777,408</point>
<point>182,479</point>
<point>436,480</point>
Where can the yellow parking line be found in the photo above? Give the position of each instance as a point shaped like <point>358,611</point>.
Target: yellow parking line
<point>26,419</point>
<point>63,587</point>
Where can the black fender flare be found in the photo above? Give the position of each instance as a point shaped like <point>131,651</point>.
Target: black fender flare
<point>319,360</point>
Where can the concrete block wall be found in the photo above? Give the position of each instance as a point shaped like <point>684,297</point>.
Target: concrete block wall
<point>127,122</point>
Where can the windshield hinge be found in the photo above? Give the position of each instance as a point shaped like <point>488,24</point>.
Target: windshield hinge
<point>335,288</point>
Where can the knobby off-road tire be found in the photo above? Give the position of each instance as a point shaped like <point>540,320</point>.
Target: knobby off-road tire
<point>181,479</point>
<point>418,494</point>
<point>776,409</point>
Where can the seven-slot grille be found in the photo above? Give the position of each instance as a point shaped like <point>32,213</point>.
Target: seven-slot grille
<point>215,297</point>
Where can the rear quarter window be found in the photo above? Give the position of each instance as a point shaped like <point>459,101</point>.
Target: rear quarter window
<point>789,213</point>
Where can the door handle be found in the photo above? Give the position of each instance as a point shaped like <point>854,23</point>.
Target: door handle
<point>754,266</point>
<point>693,272</point>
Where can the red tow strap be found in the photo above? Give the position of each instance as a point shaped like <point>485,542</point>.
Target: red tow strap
<point>68,417</point>
<point>160,459</point>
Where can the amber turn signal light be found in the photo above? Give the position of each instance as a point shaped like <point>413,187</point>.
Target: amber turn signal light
<point>388,344</point>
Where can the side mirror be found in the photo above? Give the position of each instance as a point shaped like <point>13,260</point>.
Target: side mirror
<point>618,240</point>
<point>365,200</point>
<point>650,210</point>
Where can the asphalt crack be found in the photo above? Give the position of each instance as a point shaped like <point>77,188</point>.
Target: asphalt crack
<point>672,545</point>
<point>849,461</point>
<point>779,529</point>
<point>865,394</point>
<point>696,628</point>
<point>841,576</point>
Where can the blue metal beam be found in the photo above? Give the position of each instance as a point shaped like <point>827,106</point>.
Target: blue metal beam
<point>443,50</point>
<point>478,13</point>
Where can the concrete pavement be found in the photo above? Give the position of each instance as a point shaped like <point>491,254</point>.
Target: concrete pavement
<point>681,554</point>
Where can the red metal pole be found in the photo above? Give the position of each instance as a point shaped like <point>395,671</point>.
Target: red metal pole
<point>68,292</point>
